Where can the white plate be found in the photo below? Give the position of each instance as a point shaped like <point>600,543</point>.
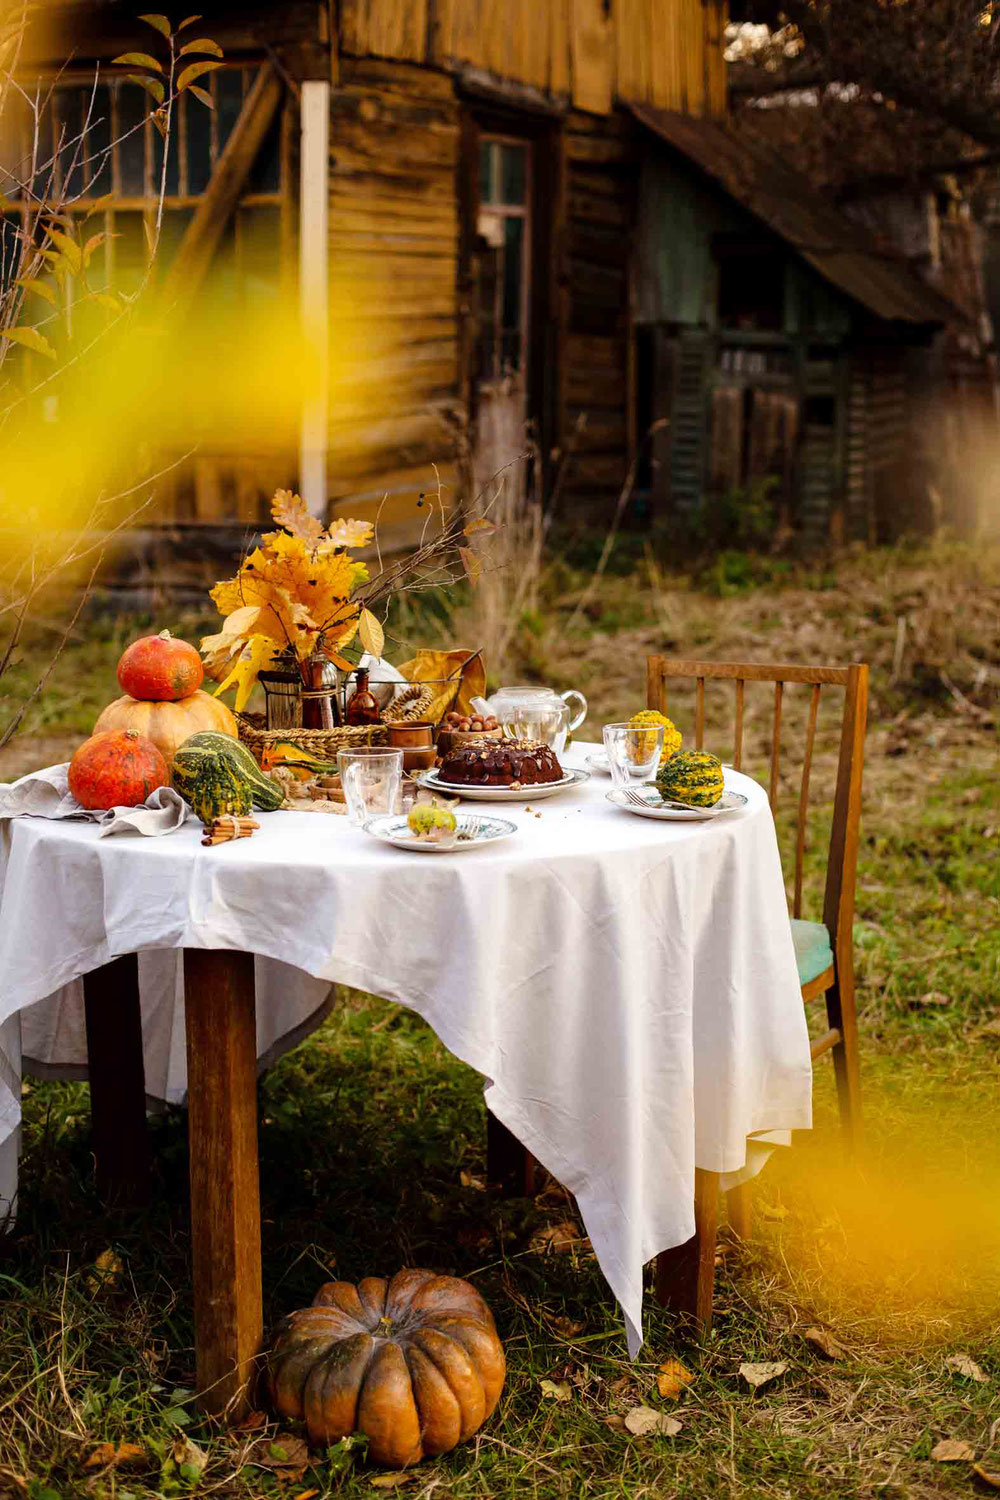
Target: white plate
<point>599,762</point>
<point>672,813</point>
<point>533,793</point>
<point>473,830</point>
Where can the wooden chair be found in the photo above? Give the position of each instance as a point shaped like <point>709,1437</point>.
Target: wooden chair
<point>685,1275</point>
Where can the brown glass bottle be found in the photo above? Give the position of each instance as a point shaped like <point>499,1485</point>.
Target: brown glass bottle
<point>362,705</point>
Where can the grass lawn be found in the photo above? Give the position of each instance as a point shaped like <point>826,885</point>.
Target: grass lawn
<point>373,1137</point>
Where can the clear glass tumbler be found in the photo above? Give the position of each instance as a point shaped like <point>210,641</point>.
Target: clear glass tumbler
<point>371,780</point>
<point>633,754</point>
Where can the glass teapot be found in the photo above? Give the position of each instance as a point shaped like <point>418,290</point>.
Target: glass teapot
<point>539,713</point>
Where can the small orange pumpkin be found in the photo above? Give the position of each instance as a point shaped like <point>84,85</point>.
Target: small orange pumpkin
<point>116,769</point>
<point>413,1363</point>
<point>168,725</point>
<point>160,668</point>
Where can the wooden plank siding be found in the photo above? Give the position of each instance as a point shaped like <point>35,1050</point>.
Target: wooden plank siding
<point>394,234</point>
<point>661,52</point>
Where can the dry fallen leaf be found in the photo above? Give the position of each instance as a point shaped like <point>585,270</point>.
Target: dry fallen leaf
<point>567,1328</point>
<point>306,1495</point>
<point>986,1477</point>
<point>933,997</point>
<point>252,1422</point>
<point>106,1455</point>
<point>187,1454</point>
<point>106,1273</point>
<point>391,1481</point>
<point>762,1374</point>
<point>615,1422</point>
<point>286,1451</point>
<point>672,1378</point>
<point>641,1421</point>
<point>469,1181</point>
<point>952,1451</point>
<point>556,1390</point>
<point>824,1341</point>
<point>962,1364</point>
<point>562,1238</point>
<point>774,1211</point>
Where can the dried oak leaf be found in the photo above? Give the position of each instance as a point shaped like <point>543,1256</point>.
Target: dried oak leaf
<point>556,1390</point>
<point>469,1181</point>
<point>106,1273</point>
<point>963,1364</point>
<point>986,1477</point>
<point>291,512</point>
<point>563,1238</point>
<point>107,1456</point>
<point>567,1328</point>
<point>252,1422</point>
<point>392,1481</point>
<point>187,1455</point>
<point>952,1451</point>
<point>671,1379</point>
<point>642,1421</point>
<point>932,997</point>
<point>824,1342</point>
<point>774,1211</point>
<point>757,1375</point>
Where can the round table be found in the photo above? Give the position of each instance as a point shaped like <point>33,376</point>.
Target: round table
<point>627,987</point>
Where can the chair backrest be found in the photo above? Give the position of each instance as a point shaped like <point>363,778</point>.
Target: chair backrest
<point>841,870</point>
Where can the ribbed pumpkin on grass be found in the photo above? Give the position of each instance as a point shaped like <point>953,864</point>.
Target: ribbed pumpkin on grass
<point>692,776</point>
<point>116,769</point>
<point>218,775</point>
<point>414,1364</point>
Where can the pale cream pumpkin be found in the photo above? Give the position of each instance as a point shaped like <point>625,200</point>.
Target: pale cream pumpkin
<point>168,725</point>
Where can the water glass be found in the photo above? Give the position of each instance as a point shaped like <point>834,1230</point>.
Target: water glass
<point>371,781</point>
<point>544,723</point>
<point>633,754</point>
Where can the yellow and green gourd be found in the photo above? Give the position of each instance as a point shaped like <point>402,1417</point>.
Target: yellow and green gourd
<point>692,776</point>
<point>218,775</point>
<point>652,718</point>
<point>431,822</point>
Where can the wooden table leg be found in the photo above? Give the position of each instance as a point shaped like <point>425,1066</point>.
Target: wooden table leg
<point>117,1082</point>
<point>685,1276</point>
<point>225,1183</point>
<point>509,1165</point>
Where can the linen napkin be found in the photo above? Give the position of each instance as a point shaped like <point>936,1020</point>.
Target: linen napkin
<point>46,794</point>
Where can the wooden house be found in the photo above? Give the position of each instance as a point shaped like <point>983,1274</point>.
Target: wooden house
<point>504,216</point>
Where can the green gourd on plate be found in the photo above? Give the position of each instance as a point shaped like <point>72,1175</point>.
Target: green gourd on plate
<point>217,775</point>
<point>692,776</point>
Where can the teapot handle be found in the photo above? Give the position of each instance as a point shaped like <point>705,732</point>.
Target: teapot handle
<point>566,697</point>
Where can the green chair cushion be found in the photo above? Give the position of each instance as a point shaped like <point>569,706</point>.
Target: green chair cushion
<point>813,953</point>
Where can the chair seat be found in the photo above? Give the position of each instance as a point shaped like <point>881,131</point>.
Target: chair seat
<point>813,952</point>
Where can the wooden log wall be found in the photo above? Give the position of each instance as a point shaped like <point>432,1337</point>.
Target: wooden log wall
<point>601,163</point>
<point>662,52</point>
<point>394,237</point>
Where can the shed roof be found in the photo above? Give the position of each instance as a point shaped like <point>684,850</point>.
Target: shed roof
<point>843,252</point>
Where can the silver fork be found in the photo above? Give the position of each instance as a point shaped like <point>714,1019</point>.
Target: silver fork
<point>640,801</point>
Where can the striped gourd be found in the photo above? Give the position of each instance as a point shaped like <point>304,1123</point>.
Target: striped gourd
<point>217,775</point>
<point>692,776</point>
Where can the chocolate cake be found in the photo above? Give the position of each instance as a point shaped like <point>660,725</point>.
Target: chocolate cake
<point>491,762</point>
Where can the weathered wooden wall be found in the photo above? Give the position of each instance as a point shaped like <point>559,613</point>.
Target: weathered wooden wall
<point>394,239</point>
<point>662,52</point>
<point>597,380</point>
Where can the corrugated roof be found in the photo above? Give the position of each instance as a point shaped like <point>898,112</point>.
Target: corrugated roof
<point>841,251</point>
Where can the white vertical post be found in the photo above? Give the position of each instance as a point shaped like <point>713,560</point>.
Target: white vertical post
<point>314,288</point>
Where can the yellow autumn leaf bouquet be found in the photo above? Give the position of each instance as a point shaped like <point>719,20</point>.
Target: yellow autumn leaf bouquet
<point>293,597</point>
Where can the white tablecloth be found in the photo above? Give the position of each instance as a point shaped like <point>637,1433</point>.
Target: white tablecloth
<point>627,987</point>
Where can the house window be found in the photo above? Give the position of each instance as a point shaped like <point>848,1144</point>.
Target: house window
<point>503,236</point>
<point>96,140</point>
<point>751,288</point>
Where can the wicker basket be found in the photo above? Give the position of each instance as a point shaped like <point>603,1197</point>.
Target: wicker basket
<point>323,743</point>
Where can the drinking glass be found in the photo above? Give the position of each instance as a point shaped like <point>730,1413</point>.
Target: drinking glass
<point>633,754</point>
<point>371,782</point>
<point>544,723</point>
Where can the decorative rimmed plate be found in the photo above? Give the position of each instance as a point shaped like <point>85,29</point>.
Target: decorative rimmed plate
<point>673,812</point>
<point>472,831</point>
<point>599,762</point>
<point>534,793</point>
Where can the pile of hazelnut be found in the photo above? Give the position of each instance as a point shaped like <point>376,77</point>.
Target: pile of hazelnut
<point>469,723</point>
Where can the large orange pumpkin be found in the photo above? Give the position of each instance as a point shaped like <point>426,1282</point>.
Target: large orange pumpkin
<point>160,668</point>
<point>116,769</point>
<point>413,1363</point>
<point>168,725</point>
